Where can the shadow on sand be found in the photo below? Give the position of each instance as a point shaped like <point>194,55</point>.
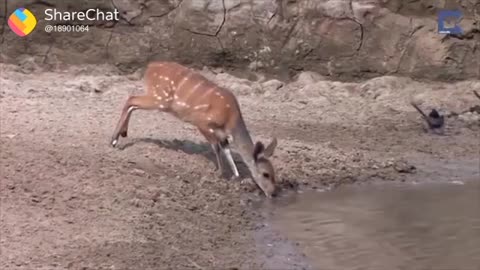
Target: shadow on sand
<point>194,148</point>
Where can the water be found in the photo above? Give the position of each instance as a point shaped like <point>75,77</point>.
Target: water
<point>412,227</point>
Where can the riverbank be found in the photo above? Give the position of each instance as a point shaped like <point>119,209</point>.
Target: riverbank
<point>70,200</point>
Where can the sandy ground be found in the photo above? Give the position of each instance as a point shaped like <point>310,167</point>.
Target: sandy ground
<point>71,201</point>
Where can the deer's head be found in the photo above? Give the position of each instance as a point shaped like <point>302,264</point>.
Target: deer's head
<point>265,172</point>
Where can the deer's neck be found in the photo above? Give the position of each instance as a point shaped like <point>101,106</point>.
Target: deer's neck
<point>243,142</point>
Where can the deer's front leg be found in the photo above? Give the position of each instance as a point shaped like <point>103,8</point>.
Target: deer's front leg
<point>224,141</point>
<point>215,147</point>
<point>216,150</point>
<point>228,154</point>
<point>132,103</point>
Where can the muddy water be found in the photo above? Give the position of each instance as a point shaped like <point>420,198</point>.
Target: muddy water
<point>386,227</point>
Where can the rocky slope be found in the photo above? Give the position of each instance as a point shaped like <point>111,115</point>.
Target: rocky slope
<point>344,39</point>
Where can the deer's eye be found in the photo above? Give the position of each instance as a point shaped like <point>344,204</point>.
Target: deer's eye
<point>266,175</point>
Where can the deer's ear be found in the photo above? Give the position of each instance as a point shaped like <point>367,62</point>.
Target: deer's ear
<point>257,150</point>
<point>268,152</point>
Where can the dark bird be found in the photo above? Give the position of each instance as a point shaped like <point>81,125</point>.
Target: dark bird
<point>434,120</point>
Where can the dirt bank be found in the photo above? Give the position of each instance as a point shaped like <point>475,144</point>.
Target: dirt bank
<point>70,200</point>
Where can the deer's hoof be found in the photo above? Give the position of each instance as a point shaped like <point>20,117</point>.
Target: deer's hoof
<point>114,142</point>
<point>219,173</point>
<point>123,133</point>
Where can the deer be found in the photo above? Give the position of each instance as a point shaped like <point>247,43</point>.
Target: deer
<point>170,87</point>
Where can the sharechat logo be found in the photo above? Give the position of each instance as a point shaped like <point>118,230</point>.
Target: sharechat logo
<point>22,22</point>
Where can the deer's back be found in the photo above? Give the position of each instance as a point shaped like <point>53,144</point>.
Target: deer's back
<point>191,96</point>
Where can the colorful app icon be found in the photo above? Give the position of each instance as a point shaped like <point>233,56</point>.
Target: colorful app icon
<point>22,22</point>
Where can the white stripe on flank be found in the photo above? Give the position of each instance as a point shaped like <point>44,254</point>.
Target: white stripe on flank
<point>206,93</point>
<point>197,85</point>
<point>198,107</point>
<point>193,90</point>
<point>185,79</point>
<point>181,103</point>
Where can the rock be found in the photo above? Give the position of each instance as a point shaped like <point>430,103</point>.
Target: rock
<point>92,87</point>
<point>308,77</point>
<point>470,117</point>
<point>475,109</point>
<point>255,65</point>
<point>404,167</point>
<point>27,65</point>
<point>272,85</point>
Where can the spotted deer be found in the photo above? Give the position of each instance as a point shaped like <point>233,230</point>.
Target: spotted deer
<point>191,97</point>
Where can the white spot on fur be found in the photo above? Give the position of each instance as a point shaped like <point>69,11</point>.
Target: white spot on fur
<point>198,107</point>
<point>183,104</point>
<point>161,107</point>
<point>221,97</point>
<point>228,105</point>
<point>159,98</point>
<point>209,118</point>
<point>210,130</point>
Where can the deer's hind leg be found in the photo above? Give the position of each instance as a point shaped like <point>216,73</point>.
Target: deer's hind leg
<point>133,103</point>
